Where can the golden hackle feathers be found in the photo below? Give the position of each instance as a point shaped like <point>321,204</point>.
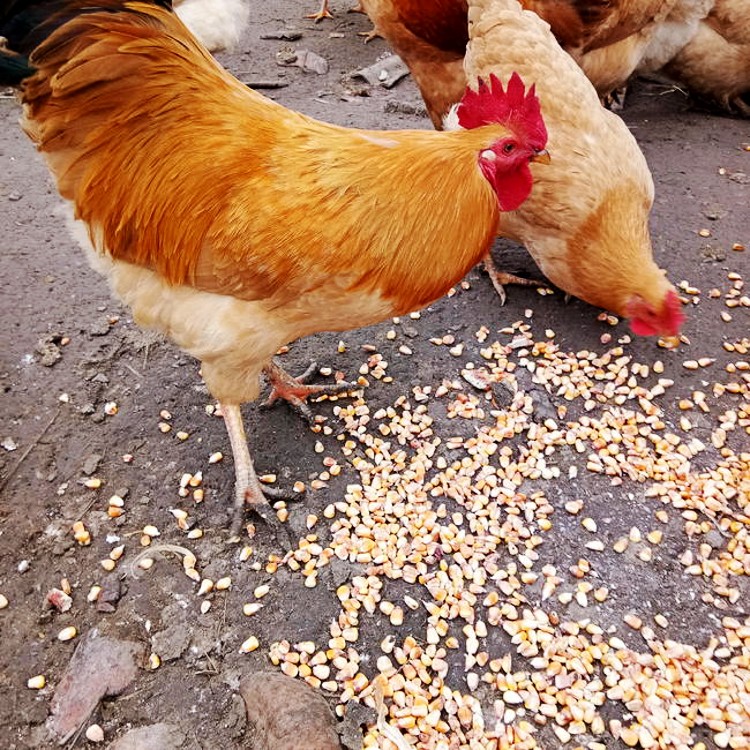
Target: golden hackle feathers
<point>177,167</point>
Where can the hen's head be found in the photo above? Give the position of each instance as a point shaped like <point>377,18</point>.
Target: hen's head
<point>648,320</point>
<point>505,163</point>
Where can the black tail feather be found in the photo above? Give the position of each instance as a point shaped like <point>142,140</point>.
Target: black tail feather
<point>24,24</point>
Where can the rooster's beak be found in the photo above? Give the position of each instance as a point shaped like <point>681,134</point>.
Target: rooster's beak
<point>541,157</point>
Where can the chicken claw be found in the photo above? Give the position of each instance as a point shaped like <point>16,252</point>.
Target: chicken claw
<point>296,391</point>
<point>247,487</point>
<point>500,278</point>
<point>322,13</point>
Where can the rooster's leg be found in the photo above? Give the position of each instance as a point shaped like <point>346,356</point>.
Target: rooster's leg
<point>322,13</point>
<point>501,278</point>
<point>295,390</point>
<point>247,487</point>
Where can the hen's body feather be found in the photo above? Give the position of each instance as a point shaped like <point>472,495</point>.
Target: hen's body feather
<point>714,62</point>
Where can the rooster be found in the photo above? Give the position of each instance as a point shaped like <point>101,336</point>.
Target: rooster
<point>194,194</point>
<point>586,223</point>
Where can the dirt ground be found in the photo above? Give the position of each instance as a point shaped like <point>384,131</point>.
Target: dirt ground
<point>586,568</point>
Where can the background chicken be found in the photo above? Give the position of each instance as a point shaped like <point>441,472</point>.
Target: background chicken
<point>196,194</point>
<point>431,38</point>
<point>714,63</point>
<point>217,24</point>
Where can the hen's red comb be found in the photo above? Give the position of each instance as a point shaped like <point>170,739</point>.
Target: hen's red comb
<point>490,104</point>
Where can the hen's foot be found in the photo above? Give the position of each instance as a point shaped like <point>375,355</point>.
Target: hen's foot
<point>615,99</point>
<point>369,35</point>
<point>296,391</point>
<point>322,13</point>
<point>500,279</point>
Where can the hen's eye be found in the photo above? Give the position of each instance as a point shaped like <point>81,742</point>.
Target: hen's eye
<point>509,148</point>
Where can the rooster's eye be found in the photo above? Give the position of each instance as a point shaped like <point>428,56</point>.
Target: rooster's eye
<point>508,148</point>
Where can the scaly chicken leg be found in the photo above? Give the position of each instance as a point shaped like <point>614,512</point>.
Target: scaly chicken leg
<point>325,13</point>
<point>248,489</point>
<point>322,13</point>
<point>500,278</point>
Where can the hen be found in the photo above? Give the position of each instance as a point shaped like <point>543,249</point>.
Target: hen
<point>586,223</point>
<point>217,24</point>
<point>194,194</point>
<point>714,64</point>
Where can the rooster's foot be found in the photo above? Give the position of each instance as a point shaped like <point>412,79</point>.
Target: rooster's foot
<point>296,391</point>
<point>258,498</point>
<point>248,490</point>
<point>500,279</point>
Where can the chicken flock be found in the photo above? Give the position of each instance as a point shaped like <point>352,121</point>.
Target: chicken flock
<point>703,45</point>
<point>208,238</point>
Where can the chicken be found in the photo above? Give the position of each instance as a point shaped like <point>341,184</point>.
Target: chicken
<point>646,49</point>
<point>586,223</point>
<point>217,24</point>
<point>714,63</point>
<point>194,195</point>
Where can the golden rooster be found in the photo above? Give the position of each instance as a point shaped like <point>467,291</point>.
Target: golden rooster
<point>194,194</point>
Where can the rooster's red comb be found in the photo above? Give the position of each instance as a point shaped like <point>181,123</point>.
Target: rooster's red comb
<point>490,104</point>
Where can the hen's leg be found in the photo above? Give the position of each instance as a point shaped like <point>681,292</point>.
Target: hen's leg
<point>247,488</point>
<point>501,278</point>
<point>322,13</point>
<point>296,391</point>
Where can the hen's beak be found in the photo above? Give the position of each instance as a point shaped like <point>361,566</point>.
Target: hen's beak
<point>541,157</point>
